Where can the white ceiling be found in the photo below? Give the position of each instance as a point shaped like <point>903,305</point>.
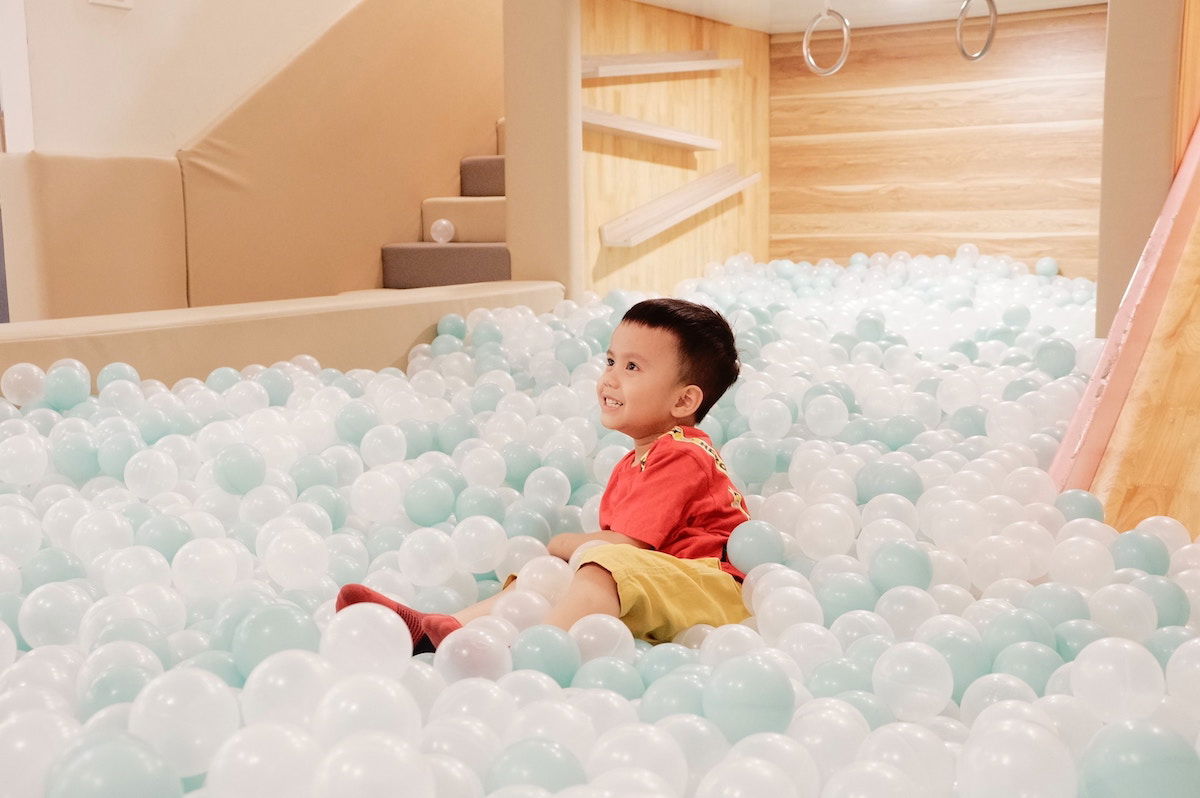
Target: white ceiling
<point>792,16</point>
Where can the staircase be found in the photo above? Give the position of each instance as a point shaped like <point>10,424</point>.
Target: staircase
<point>478,253</point>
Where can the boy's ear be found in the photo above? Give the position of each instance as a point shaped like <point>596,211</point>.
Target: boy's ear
<point>688,401</point>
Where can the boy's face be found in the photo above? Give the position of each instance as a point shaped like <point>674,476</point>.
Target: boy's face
<point>641,393</point>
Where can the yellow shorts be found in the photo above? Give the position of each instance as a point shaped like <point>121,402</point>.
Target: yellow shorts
<point>662,595</point>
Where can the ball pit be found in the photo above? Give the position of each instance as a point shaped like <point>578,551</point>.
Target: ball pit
<point>930,615</point>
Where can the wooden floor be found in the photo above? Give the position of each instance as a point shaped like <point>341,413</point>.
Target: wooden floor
<point>912,147</point>
<point>1152,463</point>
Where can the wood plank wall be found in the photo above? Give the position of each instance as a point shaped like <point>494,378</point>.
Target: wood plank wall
<point>911,147</point>
<point>621,173</point>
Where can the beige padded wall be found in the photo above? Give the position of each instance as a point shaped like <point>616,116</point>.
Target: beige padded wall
<point>1141,96</point>
<point>294,193</point>
<point>91,235</point>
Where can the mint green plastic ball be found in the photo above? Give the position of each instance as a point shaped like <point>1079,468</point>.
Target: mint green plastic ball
<point>1172,603</point>
<point>877,478</point>
<point>220,663</point>
<point>354,420</point>
<point>1077,503</point>
<point>658,661</point>
<point>753,543</point>
<point>610,673</point>
<point>278,384</point>
<point>1135,758</point>
<point>112,766</point>
<point>1071,637</point>
<point>76,456</point>
<point>1032,663</point>
<point>547,649</point>
<point>1016,626</point>
<point>50,564</point>
<point>872,707</point>
<point>1163,642</point>
<point>672,694</point>
<point>750,459</point>
<point>1056,602</point>
<point>428,501</point>
<point>114,452</point>
<point>1141,550</point>
<point>1055,356</point>
<point>239,468</point>
<point>572,353</point>
<point>572,464</point>
<point>115,685</point>
<point>479,500</point>
<point>895,563</point>
<point>230,613</point>
<point>968,658</point>
<point>330,500</point>
<point>117,371</point>
<point>521,460</point>
<point>845,591</point>
<point>65,387</point>
<point>528,523</point>
<point>535,761</point>
<point>223,378</point>
<point>312,469</point>
<point>136,630</point>
<point>453,430</point>
<point>163,533</point>
<point>748,694</point>
<point>266,630</point>
<point>445,345</point>
<point>900,430</point>
<point>452,324</point>
<point>418,436</point>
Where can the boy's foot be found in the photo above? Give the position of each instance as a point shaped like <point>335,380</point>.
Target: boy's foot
<point>427,629</point>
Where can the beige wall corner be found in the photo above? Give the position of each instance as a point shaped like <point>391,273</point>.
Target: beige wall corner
<point>296,190</point>
<point>544,141</point>
<point>92,235</point>
<point>1138,161</point>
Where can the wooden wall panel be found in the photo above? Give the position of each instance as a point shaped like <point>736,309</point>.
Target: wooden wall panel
<point>621,174</point>
<point>911,147</point>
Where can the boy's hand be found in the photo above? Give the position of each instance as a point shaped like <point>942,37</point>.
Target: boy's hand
<point>564,545</point>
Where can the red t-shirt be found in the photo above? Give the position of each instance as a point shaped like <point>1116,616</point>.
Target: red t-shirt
<point>678,499</point>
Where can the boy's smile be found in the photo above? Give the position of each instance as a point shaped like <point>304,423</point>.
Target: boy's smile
<point>641,393</point>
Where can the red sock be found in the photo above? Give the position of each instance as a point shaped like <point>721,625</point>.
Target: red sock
<point>436,627</point>
<point>353,594</point>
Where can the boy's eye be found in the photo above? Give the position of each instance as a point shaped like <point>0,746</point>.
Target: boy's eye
<point>608,361</point>
<point>630,366</point>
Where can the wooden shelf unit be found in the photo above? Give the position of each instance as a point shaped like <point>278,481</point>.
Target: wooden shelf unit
<point>620,66</point>
<point>595,119</point>
<point>668,210</point>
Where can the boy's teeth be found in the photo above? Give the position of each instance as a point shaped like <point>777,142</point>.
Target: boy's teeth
<point>612,403</point>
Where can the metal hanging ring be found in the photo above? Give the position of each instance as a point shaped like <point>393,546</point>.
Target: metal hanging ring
<point>812,26</point>
<point>958,31</point>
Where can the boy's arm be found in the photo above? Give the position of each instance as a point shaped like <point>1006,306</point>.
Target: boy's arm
<point>564,545</point>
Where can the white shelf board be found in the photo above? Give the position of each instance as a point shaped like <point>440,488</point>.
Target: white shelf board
<point>615,66</point>
<point>595,119</point>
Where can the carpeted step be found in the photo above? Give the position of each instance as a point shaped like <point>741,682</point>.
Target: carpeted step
<point>423,264</point>
<point>476,219</point>
<point>481,176</point>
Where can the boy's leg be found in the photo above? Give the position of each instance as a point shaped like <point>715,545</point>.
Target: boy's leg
<point>592,591</point>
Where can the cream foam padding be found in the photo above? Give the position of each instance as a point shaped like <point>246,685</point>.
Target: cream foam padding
<point>360,329</point>
<point>295,192</point>
<point>86,235</point>
<point>477,220</point>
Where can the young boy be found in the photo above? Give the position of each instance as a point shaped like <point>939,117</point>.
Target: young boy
<point>669,506</point>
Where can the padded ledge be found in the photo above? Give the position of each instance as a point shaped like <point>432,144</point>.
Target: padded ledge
<point>360,329</point>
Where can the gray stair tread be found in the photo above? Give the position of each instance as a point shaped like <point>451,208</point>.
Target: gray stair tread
<point>481,176</point>
<point>421,264</point>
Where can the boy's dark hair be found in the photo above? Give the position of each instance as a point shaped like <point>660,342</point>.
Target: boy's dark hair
<point>707,350</point>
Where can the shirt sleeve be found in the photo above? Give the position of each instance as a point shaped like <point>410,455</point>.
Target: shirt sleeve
<point>666,492</point>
